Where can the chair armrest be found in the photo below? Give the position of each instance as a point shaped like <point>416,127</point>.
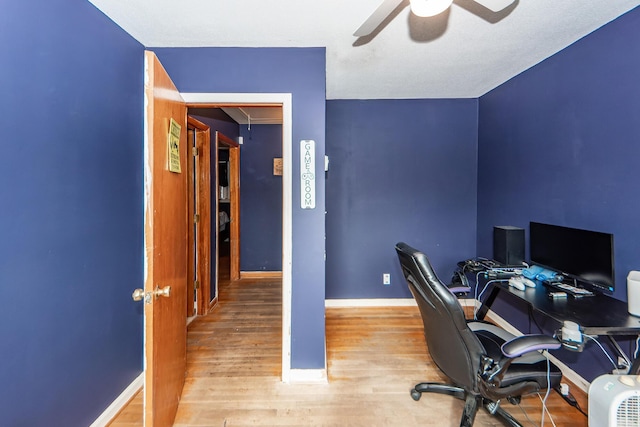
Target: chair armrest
<point>513,348</point>
<point>457,289</point>
<point>527,343</point>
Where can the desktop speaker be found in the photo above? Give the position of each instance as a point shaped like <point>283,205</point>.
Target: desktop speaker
<point>508,245</point>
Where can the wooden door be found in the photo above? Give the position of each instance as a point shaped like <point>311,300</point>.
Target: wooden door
<point>165,249</point>
<point>192,231</point>
<point>199,209</point>
<point>234,203</point>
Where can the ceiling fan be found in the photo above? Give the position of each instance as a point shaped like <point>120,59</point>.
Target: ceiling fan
<point>422,8</point>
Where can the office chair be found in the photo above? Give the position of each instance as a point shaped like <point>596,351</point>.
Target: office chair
<point>484,362</point>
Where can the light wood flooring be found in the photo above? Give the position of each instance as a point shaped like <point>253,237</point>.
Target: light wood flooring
<point>374,357</point>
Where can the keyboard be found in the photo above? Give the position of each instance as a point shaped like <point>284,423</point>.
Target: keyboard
<point>491,265</point>
<point>570,289</point>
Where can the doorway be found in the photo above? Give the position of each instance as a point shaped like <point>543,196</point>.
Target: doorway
<point>227,248</point>
<point>283,100</point>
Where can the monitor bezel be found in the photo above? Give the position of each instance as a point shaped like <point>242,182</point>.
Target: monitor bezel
<point>579,280</point>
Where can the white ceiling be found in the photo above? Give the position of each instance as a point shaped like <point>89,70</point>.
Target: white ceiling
<point>462,53</point>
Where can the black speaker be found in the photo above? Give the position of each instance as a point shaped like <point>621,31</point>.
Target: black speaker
<point>508,244</point>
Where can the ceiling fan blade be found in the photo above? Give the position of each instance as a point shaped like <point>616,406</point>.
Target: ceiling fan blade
<point>495,5</point>
<point>376,18</point>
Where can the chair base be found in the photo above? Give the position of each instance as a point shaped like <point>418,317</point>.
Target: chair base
<point>471,403</point>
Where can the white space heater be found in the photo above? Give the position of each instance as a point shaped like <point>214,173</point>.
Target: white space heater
<point>614,401</point>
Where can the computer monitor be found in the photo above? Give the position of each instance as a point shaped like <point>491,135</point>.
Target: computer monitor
<point>583,255</point>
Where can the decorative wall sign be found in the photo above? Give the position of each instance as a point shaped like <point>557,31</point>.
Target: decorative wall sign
<point>277,166</point>
<point>307,174</point>
<point>174,147</point>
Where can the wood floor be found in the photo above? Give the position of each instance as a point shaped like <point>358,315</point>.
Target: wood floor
<point>374,357</point>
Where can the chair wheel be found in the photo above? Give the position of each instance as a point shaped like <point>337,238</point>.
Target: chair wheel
<point>415,395</point>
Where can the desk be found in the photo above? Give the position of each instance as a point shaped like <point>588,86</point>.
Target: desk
<point>597,315</point>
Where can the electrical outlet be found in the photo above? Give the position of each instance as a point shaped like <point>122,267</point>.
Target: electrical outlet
<point>386,279</point>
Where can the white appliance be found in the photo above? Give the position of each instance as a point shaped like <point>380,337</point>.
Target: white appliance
<point>614,401</point>
<point>633,292</point>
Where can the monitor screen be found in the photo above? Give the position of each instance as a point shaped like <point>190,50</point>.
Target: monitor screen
<point>583,255</point>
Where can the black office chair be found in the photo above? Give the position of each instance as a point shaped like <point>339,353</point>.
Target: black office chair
<point>485,363</point>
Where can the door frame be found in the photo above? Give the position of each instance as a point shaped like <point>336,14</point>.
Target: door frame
<point>284,100</point>
<point>221,140</point>
<point>200,193</point>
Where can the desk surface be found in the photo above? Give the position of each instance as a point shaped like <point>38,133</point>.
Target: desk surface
<point>597,315</point>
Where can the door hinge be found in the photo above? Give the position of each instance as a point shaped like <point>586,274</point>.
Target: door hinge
<point>196,284</point>
<point>195,151</point>
<point>196,218</point>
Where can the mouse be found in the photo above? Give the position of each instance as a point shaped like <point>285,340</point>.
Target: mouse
<point>527,282</point>
<point>514,282</point>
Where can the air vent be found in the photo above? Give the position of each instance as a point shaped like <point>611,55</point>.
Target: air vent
<point>628,413</point>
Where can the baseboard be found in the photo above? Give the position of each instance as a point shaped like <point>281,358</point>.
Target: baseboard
<point>381,302</point>
<point>261,274</point>
<point>308,376</point>
<point>212,304</point>
<point>567,372</point>
<point>121,401</point>
<point>374,302</point>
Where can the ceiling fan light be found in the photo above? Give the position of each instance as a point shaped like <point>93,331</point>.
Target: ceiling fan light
<point>426,8</point>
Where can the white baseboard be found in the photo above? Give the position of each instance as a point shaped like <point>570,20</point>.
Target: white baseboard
<point>374,302</point>
<point>308,376</point>
<point>381,302</point>
<point>121,401</point>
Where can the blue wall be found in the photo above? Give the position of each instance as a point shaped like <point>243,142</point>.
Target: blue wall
<point>260,199</point>
<point>71,220</point>
<point>400,170</point>
<point>301,72</point>
<point>560,144</point>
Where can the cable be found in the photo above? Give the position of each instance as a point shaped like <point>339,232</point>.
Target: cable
<point>544,409</point>
<point>526,415</point>
<point>544,401</point>
<point>475,296</point>
<point>581,411</point>
<point>532,317</point>
<point>570,399</point>
<point>615,366</point>
<point>635,353</point>
<point>479,296</point>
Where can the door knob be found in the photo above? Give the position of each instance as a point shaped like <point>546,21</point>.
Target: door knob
<point>162,292</point>
<point>138,294</point>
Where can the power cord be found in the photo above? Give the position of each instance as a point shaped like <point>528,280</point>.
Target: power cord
<point>568,397</point>
<point>546,396</point>
<point>615,366</point>
<point>527,416</point>
<point>478,297</point>
<point>532,317</point>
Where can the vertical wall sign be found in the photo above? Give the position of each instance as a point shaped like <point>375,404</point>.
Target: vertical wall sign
<point>174,146</point>
<point>307,174</point>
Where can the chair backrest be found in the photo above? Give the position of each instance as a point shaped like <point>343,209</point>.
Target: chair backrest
<point>452,345</point>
